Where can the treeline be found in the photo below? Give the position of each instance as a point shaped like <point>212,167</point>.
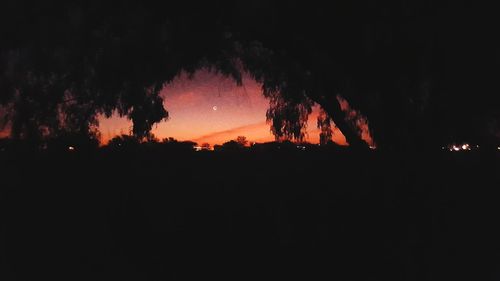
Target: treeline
<point>127,143</point>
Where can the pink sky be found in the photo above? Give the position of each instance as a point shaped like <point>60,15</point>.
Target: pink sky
<point>212,108</point>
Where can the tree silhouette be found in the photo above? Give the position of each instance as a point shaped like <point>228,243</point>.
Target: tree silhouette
<point>325,125</point>
<point>123,142</point>
<point>73,142</point>
<point>242,140</point>
<point>232,145</point>
<point>418,71</point>
<point>405,66</point>
<point>100,58</point>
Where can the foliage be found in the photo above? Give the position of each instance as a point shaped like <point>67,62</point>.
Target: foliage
<point>418,71</point>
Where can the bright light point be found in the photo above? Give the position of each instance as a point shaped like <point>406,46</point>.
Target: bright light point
<point>71,148</point>
<point>498,148</point>
<point>214,108</point>
<point>456,148</point>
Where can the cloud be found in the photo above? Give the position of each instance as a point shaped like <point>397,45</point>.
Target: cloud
<point>252,132</point>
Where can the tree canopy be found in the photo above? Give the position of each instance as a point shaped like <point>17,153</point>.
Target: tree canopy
<point>421,72</point>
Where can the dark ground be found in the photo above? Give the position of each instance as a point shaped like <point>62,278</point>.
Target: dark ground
<point>248,215</point>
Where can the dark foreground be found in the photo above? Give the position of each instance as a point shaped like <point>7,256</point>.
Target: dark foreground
<point>250,216</point>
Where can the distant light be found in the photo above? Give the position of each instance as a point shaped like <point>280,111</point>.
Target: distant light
<point>214,108</point>
<point>373,147</point>
<point>198,148</point>
<point>71,148</point>
<point>498,148</point>
<point>460,147</point>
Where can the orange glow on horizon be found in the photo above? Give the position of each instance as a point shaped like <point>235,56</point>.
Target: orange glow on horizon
<point>210,108</point>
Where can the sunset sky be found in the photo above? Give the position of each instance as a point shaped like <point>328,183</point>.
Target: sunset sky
<point>212,108</point>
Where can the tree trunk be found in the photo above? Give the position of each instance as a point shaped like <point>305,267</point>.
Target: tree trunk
<point>332,106</point>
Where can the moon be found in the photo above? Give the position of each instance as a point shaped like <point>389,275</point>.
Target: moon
<point>214,108</point>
